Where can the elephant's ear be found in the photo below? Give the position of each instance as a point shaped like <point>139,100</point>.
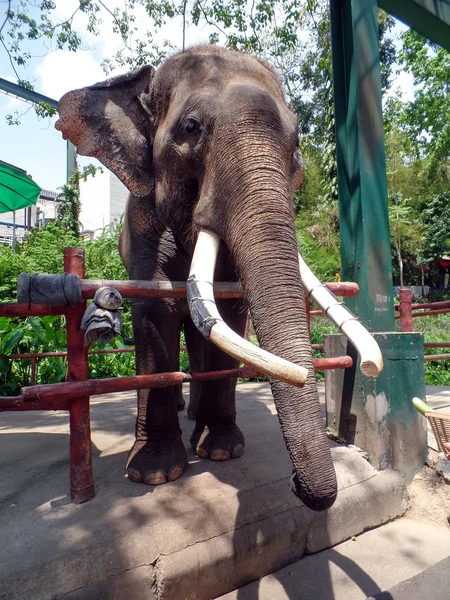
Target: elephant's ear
<point>110,121</point>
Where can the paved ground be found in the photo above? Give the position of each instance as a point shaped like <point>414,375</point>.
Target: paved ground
<point>366,566</point>
<point>219,527</point>
<point>408,559</point>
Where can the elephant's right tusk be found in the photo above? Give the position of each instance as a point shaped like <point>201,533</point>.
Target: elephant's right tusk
<point>365,344</point>
<point>208,321</point>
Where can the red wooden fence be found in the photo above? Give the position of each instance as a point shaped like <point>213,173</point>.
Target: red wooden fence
<point>74,394</point>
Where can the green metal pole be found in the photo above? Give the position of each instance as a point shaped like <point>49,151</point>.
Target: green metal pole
<point>71,159</point>
<point>375,414</point>
<point>363,205</point>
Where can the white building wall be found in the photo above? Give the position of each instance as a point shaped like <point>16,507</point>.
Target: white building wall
<point>94,196</point>
<point>119,195</point>
<point>103,198</point>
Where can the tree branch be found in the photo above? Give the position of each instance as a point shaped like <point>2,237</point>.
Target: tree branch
<point>184,26</point>
<point>7,16</point>
<point>205,16</point>
<point>67,21</point>
<point>117,22</point>
<point>10,59</point>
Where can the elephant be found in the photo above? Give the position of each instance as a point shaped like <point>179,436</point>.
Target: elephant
<point>208,146</point>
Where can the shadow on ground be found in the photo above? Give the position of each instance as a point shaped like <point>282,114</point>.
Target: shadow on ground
<point>240,513</point>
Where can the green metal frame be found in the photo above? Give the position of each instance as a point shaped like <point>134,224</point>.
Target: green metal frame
<point>431,18</point>
<point>363,205</point>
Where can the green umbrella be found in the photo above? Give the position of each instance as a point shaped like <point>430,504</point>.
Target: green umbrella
<point>17,190</point>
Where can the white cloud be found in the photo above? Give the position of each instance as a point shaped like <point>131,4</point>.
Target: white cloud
<point>62,71</point>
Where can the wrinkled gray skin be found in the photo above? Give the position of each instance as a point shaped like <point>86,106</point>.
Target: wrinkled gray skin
<point>208,141</point>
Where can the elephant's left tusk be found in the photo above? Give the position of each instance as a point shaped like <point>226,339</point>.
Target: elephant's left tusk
<point>208,321</point>
<point>354,330</point>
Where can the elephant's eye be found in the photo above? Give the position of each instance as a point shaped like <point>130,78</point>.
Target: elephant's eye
<point>192,125</point>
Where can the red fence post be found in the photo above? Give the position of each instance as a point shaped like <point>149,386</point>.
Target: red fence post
<point>406,311</point>
<point>81,481</point>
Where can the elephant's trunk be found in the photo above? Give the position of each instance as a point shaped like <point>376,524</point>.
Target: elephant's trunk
<point>258,228</point>
<point>272,283</point>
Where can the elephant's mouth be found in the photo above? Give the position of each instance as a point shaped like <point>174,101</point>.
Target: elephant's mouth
<point>207,319</point>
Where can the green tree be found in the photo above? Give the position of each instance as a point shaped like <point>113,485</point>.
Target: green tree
<point>436,222</point>
<point>406,234</point>
<point>426,119</point>
<point>69,205</point>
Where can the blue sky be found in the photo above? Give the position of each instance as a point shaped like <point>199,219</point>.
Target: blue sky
<point>35,145</point>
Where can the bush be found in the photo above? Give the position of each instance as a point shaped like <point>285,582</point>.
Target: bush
<point>435,329</point>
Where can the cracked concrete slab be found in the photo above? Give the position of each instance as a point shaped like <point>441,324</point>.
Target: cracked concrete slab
<point>220,526</point>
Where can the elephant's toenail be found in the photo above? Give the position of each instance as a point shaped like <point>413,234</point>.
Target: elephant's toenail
<point>134,475</point>
<point>238,451</point>
<point>201,452</point>
<point>155,478</point>
<point>220,454</point>
<point>175,473</point>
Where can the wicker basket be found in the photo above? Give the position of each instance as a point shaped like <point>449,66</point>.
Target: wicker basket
<point>440,424</point>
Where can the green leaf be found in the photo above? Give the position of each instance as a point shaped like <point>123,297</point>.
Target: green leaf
<point>4,324</point>
<point>37,328</point>
<point>12,340</point>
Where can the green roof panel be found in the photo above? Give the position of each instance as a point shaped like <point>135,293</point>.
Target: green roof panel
<point>17,189</point>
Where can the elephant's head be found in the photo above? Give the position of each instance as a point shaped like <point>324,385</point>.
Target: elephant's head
<point>209,141</point>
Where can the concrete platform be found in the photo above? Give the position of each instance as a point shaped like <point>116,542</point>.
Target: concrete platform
<point>219,527</point>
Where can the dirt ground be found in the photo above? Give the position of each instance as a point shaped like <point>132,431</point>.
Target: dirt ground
<point>429,496</point>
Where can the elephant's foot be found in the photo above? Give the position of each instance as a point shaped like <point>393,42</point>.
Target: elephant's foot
<point>218,442</point>
<point>156,463</point>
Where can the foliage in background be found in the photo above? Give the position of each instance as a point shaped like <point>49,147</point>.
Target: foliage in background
<point>426,119</point>
<point>33,334</point>
<point>435,216</point>
<point>417,136</point>
<point>435,329</point>
<point>68,206</point>
<point>41,252</point>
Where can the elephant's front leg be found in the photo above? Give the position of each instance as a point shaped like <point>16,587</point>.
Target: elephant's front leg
<point>216,435</point>
<point>158,454</point>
